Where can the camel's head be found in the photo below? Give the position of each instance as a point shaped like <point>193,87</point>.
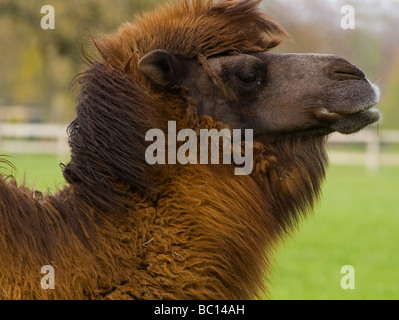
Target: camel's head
<point>272,93</point>
<point>219,51</point>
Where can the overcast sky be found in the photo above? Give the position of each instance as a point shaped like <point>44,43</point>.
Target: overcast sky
<point>375,15</point>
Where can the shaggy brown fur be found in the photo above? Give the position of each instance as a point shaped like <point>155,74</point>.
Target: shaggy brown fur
<point>123,229</point>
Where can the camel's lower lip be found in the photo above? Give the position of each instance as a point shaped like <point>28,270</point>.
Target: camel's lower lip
<point>355,111</point>
<point>373,113</point>
<point>356,121</point>
<point>372,109</point>
<point>369,112</point>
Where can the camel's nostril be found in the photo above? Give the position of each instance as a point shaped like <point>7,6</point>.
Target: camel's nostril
<point>348,75</point>
<point>343,70</point>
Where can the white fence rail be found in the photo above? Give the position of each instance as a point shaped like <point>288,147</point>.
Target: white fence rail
<point>372,158</point>
<point>52,138</point>
<point>34,138</point>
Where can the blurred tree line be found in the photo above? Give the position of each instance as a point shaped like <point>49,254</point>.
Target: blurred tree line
<point>37,66</point>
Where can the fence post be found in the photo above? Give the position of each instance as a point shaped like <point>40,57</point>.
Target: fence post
<point>62,143</point>
<point>372,152</point>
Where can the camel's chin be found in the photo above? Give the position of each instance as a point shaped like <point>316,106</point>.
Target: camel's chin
<point>351,123</point>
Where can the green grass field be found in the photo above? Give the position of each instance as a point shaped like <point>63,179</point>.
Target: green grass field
<point>42,172</point>
<point>355,223</point>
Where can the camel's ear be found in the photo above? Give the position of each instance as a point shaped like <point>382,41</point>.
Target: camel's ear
<point>162,67</point>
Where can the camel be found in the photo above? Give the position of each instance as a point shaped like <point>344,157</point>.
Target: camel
<point>122,228</point>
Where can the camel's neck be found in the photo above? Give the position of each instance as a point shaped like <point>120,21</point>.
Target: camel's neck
<point>290,172</point>
<point>218,230</point>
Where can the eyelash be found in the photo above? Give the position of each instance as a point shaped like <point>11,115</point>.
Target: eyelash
<point>247,83</point>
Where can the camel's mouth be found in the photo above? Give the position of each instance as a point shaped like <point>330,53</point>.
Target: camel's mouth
<point>354,119</point>
<point>343,122</point>
<point>360,110</point>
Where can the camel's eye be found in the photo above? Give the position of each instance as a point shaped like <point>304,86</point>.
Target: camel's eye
<point>248,77</point>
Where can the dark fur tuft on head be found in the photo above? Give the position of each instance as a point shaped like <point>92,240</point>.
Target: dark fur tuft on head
<point>194,28</point>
